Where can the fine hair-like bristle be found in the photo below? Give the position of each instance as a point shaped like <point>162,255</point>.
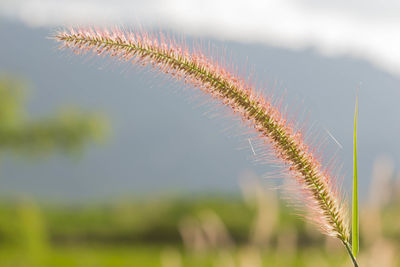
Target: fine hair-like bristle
<point>255,110</point>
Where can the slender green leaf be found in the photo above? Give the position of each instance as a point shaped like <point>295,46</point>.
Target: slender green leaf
<point>355,233</point>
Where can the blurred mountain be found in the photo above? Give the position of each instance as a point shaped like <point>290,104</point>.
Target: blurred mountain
<point>163,139</point>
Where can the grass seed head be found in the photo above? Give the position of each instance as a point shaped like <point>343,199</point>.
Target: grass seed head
<point>316,189</point>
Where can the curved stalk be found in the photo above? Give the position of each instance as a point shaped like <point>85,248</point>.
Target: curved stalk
<point>235,92</point>
<point>349,251</point>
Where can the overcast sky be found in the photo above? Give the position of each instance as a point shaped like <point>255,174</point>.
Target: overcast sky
<point>365,29</point>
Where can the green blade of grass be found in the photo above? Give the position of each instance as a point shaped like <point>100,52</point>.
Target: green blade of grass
<point>355,233</point>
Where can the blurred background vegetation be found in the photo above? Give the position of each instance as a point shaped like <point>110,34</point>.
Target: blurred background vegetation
<point>66,131</point>
<point>256,230</point>
<point>219,230</point>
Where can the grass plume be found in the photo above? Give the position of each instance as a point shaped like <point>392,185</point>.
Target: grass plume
<point>255,110</point>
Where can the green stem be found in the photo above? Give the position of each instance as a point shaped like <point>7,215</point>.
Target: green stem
<point>348,248</point>
<point>355,232</point>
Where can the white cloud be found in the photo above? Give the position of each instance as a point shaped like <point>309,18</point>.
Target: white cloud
<point>361,28</point>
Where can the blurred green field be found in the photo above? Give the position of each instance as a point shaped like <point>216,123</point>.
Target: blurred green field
<point>257,230</point>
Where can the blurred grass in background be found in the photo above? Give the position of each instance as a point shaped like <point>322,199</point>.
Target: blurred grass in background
<point>256,230</point>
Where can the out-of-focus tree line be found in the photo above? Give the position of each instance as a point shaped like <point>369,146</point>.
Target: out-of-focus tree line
<point>66,131</point>
<point>203,231</point>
